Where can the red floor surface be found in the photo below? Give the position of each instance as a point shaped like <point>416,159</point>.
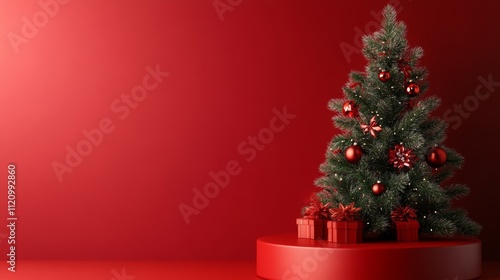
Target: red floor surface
<point>150,270</point>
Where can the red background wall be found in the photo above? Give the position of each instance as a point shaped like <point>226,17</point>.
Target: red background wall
<point>226,76</point>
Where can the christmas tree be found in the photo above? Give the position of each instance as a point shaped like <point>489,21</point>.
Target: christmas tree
<point>390,161</point>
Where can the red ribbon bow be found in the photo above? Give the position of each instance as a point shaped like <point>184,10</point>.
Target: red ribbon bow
<point>317,210</point>
<point>345,213</point>
<point>404,214</point>
<point>373,127</point>
<point>400,157</point>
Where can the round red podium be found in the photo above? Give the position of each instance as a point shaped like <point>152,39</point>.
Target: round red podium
<point>287,257</point>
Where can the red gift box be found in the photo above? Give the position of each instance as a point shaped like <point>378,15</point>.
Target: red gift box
<point>345,231</point>
<point>312,228</point>
<point>318,229</point>
<point>407,231</point>
<point>303,228</point>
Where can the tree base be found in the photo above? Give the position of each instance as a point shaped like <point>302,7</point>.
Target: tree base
<point>288,257</point>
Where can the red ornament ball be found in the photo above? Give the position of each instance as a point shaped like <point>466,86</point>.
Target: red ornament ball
<point>436,157</point>
<point>378,188</point>
<point>349,109</point>
<point>412,89</point>
<point>353,154</point>
<point>384,76</point>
